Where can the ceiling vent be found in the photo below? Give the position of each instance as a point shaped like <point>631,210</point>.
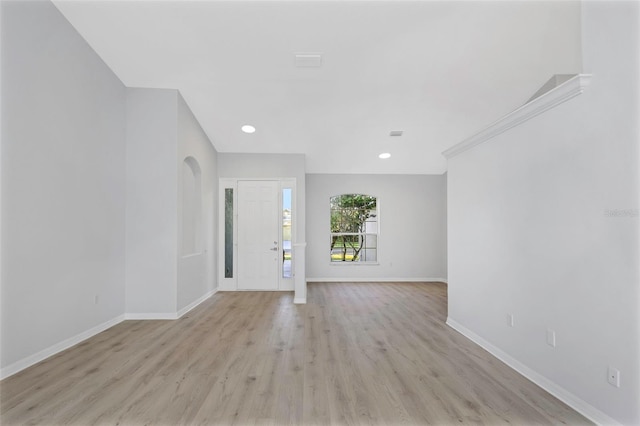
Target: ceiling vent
<point>395,133</point>
<point>308,60</point>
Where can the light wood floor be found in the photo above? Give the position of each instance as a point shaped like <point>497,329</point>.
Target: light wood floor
<point>357,353</point>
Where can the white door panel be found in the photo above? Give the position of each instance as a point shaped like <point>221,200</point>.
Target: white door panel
<point>258,235</point>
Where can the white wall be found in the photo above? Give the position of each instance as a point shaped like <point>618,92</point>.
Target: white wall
<point>63,188</point>
<point>196,273</point>
<point>152,218</point>
<point>412,222</point>
<point>529,232</point>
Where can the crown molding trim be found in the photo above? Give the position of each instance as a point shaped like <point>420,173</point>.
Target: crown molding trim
<point>554,97</point>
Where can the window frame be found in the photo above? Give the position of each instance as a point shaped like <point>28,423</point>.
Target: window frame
<point>363,234</point>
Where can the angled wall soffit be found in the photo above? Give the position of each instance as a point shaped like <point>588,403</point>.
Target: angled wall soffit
<point>554,97</point>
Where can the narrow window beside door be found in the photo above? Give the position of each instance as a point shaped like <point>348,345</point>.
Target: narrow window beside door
<point>228,232</point>
<point>286,233</point>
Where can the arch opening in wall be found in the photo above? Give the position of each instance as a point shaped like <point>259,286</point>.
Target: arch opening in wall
<point>191,207</point>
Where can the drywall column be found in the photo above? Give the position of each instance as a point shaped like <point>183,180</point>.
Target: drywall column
<point>162,280</point>
<point>152,218</point>
<point>196,271</point>
<point>300,293</point>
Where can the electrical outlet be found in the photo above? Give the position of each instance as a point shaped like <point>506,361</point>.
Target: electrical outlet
<point>96,300</point>
<point>613,377</point>
<point>551,338</point>
<point>510,320</point>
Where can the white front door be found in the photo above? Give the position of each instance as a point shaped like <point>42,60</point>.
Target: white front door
<point>259,253</point>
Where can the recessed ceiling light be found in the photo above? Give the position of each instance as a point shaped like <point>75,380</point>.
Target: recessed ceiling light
<point>384,155</point>
<point>248,128</point>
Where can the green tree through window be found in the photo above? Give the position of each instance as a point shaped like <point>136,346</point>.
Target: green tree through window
<point>354,228</point>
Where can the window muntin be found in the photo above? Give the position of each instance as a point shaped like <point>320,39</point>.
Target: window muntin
<point>354,228</point>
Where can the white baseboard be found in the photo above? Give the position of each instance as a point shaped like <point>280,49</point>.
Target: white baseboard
<point>300,300</point>
<point>169,315</point>
<point>18,366</point>
<point>284,287</point>
<point>195,303</point>
<point>151,316</point>
<point>27,362</point>
<point>559,392</point>
<point>375,280</point>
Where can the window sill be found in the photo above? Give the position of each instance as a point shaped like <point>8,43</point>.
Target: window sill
<point>354,263</point>
<point>186,256</point>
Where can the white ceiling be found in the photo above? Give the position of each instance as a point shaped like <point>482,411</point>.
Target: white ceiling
<point>439,70</point>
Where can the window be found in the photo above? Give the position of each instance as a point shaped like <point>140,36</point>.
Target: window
<point>354,228</point>
<point>286,233</point>
<point>228,232</point>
